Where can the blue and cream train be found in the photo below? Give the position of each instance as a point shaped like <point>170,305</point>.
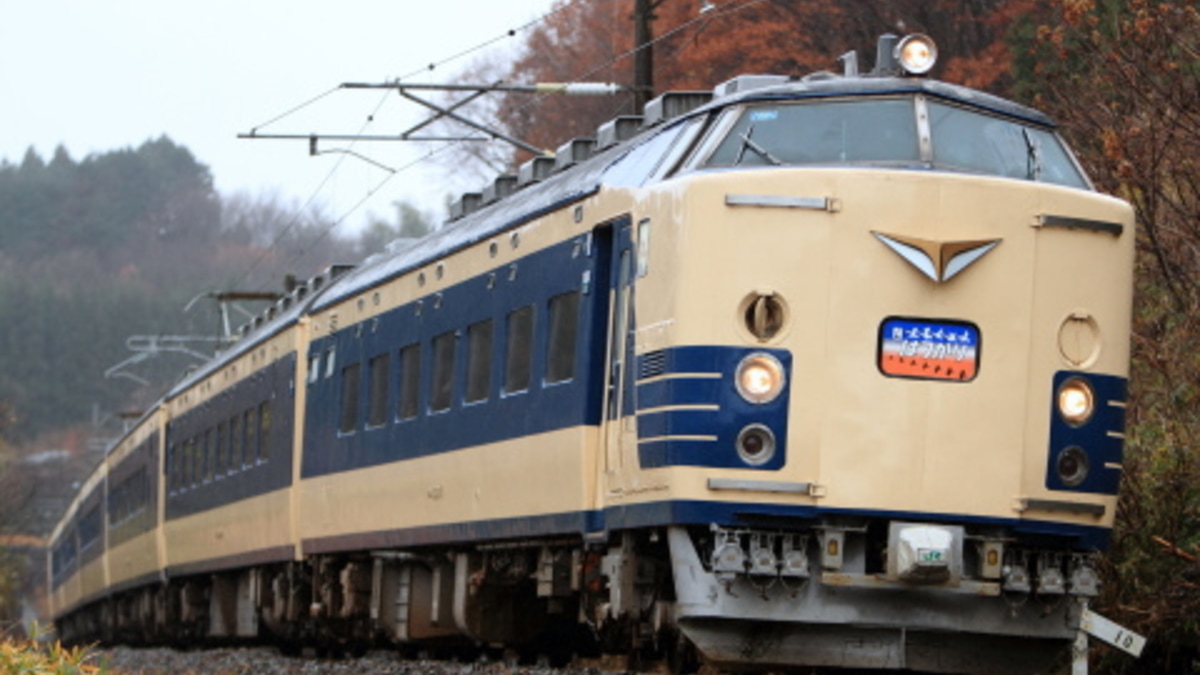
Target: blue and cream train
<point>800,372</point>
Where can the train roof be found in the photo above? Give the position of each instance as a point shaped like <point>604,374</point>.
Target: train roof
<point>574,180</point>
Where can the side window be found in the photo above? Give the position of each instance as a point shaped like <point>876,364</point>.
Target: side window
<point>443,372</point>
<point>314,367</point>
<point>564,328</point>
<point>264,431</point>
<point>479,360</point>
<point>518,352</point>
<point>210,454</point>
<point>222,451</point>
<point>235,443</point>
<point>348,419</point>
<point>377,389</point>
<point>250,424</point>
<point>410,382</point>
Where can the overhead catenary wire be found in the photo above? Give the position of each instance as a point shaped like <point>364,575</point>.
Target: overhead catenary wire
<point>712,12</point>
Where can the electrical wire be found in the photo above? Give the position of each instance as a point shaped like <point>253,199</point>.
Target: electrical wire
<point>297,216</point>
<point>718,11</point>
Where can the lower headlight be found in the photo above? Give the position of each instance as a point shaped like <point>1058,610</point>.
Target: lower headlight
<point>760,378</point>
<point>1072,466</point>
<point>1076,401</point>
<point>756,444</point>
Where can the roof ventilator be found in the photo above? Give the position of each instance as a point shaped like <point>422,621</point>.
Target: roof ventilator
<point>573,152</point>
<point>465,204</point>
<point>502,187</point>
<point>743,83</point>
<point>616,130</point>
<point>673,104</point>
<point>535,170</point>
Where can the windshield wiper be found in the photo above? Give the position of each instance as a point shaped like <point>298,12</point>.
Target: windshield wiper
<point>1033,156</point>
<point>758,149</point>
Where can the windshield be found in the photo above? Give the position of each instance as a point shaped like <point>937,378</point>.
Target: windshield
<point>885,132</point>
<point>965,140</point>
<point>872,131</point>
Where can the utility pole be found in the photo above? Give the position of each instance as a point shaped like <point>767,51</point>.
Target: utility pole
<point>643,58</point>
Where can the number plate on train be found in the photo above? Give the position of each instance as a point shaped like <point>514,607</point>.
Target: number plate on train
<point>928,349</point>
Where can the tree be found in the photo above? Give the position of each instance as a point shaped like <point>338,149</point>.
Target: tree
<point>695,49</point>
<point>1124,77</point>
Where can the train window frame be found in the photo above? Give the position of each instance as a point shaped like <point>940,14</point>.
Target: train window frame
<point>676,156</point>
<point>441,381</point>
<point>518,350</point>
<point>481,338</point>
<point>717,130</point>
<point>379,376</point>
<point>408,391</point>
<point>562,347</point>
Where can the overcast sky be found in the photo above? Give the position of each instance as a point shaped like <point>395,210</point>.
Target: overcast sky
<point>99,75</point>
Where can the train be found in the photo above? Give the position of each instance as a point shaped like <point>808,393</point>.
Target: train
<point>824,371</point>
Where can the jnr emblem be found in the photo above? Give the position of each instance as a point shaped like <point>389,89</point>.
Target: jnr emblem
<point>938,260</point>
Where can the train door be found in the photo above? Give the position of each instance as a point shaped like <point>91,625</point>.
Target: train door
<point>617,420</point>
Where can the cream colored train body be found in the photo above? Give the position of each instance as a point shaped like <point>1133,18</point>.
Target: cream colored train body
<point>827,372</point>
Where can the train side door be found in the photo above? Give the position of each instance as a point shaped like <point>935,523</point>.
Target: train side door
<point>617,412</point>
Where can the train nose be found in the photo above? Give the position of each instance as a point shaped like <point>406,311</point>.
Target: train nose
<point>924,554</point>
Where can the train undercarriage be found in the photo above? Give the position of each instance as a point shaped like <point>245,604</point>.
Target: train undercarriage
<point>738,599</point>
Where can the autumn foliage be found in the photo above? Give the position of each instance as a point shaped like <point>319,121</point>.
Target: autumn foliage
<point>698,44</point>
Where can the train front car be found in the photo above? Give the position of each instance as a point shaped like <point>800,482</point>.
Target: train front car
<point>881,352</point>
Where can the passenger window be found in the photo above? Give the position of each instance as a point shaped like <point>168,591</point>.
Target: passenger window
<point>349,416</point>
<point>250,449</point>
<point>564,327</point>
<point>479,360</point>
<point>235,443</point>
<point>264,431</point>
<point>314,367</point>
<point>443,372</point>
<point>210,454</point>
<point>410,381</point>
<point>518,352</point>
<point>222,451</point>
<point>377,389</point>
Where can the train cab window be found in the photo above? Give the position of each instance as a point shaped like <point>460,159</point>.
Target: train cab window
<point>518,350</point>
<point>636,167</point>
<point>264,431</point>
<point>865,131</point>
<point>564,329</point>
<point>250,425</point>
<point>410,382</point>
<point>378,376</point>
<point>479,361</point>
<point>966,140</point>
<point>443,372</point>
<point>235,443</point>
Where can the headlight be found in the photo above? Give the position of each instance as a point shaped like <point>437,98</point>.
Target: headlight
<point>1076,402</point>
<point>756,444</point>
<point>916,53</point>
<point>1072,466</point>
<point>760,378</point>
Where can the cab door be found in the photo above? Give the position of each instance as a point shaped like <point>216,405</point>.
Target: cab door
<point>618,422</point>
